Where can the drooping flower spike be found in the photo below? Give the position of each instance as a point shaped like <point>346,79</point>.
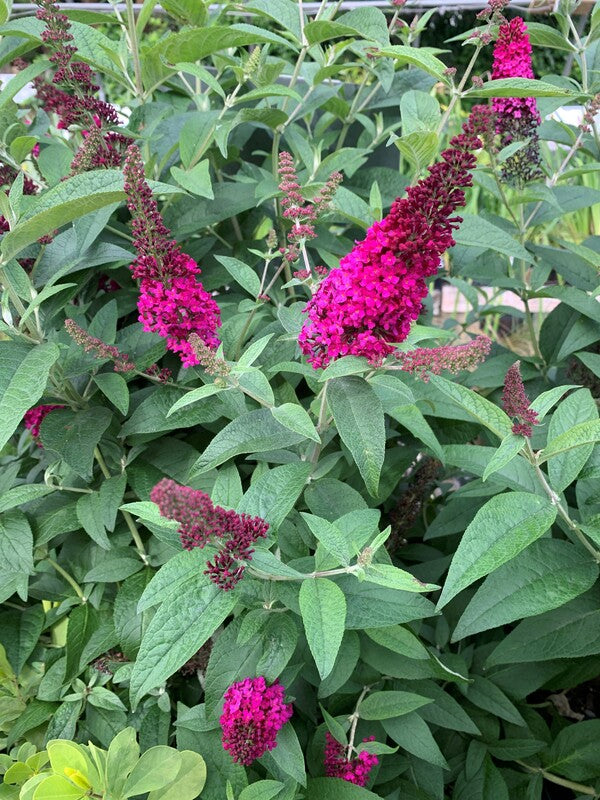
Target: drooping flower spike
<point>172,301</point>
<point>253,715</point>
<point>369,303</point>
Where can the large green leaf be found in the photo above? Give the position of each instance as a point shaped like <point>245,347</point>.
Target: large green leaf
<point>337,789</point>
<point>23,376</point>
<point>68,200</point>
<point>574,753</point>
<point>16,554</point>
<point>386,705</point>
<point>580,435</point>
<point>571,631</point>
<point>505,525</point>
<point>476,406</point>
<point>476,231</point>
<point>323,609</point>
<point>358,416</point>
<point>575,409</point>
<point>422,57</point>
<point>73,435</point>
<point>254,432</point>
<point>179,628</point>
<point>548,574</point>
<point>519,87</point>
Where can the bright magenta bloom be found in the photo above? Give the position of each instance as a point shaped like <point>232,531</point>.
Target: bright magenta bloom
<point>354,770</point>
<point>517,118</point>
<point>368,305</point>
<point>172,302</point>
<point>201,523</point>
<point>253,715</point>
<point>34,418</point>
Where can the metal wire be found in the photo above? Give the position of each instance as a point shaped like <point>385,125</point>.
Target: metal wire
<point>310,8</point>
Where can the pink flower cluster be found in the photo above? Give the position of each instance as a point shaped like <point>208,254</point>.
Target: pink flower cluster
<point>517,118</point>
<point>354,770</point>
<point>454,358</point>
<point>172,302</point>
<point>201,522</point>
<point>516,403</point>
<point>253,715</point>
<point>34,418</point>
<point>368,305</point>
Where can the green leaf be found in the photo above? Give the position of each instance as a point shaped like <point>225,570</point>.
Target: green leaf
<point>574,752</point>
<point>569,632</point>
<point>19,495</point>
<point>21,79</point>
<point>114,387</point>
<point>578,407</point>
<point>546,575</point>
<point>330,537</point>
<point>386,705</point>
<point>89,514</point>
<point>544,401</point>
<point>420,112</point>
<point>73,435</point>
<point>296,418</point>
<point>36,713</point>
<point>509,448</point>
<point>337,789</point>
<point>261,790</point>
<point>83,621</point>
<point>16,554</point>
<point>323,609</point>
<point>476,406</point>
<point>394,578</point>
<point>156,767</point>
<point>56,787</point>
<point>485,694</point>
<point>178,630</point>
<point>19,633</point>
<point>23,376</point>
<point>123,755</point>
<point>255,432</point>
<point>196,180</point>
<point>476,231</point>
<point>274,494</point>
<point>411,418</point>
<point>422,57</point>
<point>241,274</point>
<point>372,606</point>
<point>287,759</point>
<point>501,529</point>
<point>399,640</point>
<point>519,87</point>
<point>346,365</point>
<point>412,733</point>
<point>358,416</point>
<point>194,396</point>
<point>68,200</point>
<point>418,147</point>
<point>578,436</point>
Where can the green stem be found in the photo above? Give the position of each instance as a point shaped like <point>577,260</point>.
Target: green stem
<point>457,93</point>
<point>326,573</point>
<point>576,787</point>
<point>354,721</point>
<point>135,50</point>
<point>70,580</point>
<point>314,456</point>
<point>135,534</point>
<point>555,500</point>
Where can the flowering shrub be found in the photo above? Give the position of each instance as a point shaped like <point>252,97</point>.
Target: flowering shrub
<point>275,512</point>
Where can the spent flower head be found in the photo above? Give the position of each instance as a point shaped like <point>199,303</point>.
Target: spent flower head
<point>516,403</point>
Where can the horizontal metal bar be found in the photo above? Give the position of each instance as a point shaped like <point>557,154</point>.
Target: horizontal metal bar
<point>309,8</point>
